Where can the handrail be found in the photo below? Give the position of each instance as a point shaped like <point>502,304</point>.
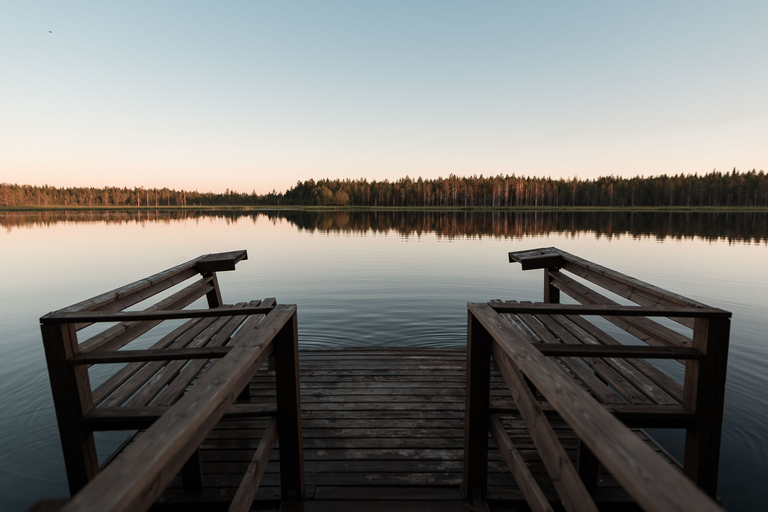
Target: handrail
<point>161,314</point>
<point>131,294</point>
<point>609,309</point>
<point>139,475</point>
<point>648,478</point>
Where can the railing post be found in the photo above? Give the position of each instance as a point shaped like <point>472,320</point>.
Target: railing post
<point>704,393</point>
<point>214,296</point>
<point>286,354</point>
<point>474,483</point>
<point>551,292</point>
<point>72,399</point>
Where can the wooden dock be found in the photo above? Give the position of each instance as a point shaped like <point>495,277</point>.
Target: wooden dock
<point>383,430</point>
<point>542,410</point>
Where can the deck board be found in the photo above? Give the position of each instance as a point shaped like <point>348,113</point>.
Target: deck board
<point>382,427</point>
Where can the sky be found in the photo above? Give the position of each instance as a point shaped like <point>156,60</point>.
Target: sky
<point>257,95</point>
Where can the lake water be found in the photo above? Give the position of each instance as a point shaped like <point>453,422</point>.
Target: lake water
<point>373,279</point>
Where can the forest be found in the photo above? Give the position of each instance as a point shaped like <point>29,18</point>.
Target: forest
<point>715,189</point>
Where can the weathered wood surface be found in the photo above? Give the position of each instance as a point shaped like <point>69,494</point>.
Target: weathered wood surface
<point>139,475</point>
<point>702,347</point>
<point>133,293</point>
<point>381,425</point>
<point>631,462</point>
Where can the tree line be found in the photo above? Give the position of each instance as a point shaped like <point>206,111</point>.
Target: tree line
<point>741,226</point>
<point>715,189</point>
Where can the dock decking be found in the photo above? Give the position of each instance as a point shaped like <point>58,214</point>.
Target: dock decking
<point>383,430</point>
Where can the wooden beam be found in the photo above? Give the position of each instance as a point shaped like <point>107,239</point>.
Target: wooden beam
<point>214,296</point>
<point>625,351</point>
<point>167,354</point>
<point>286,355</point>
<point>551,292</point>
<point>134,293</point>
<point>145,468</point>
<point>647,416</point>
<point>130,418</point>
<point>573,494</point>
<point>474,483</point>
<point>606,310</point>
<point>71,389</point>
<point>704,393</point>
<point>168,314</point>
<point>637,285</point>
<point>250,484</point>
<point>220,261</point>
<point>548,257</point>
<point>523,477</point>
<point>646,476</point>
<point>123,333</point>
<point>643,328</point>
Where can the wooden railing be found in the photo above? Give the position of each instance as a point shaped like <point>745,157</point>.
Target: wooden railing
<point>169,388</point>
<point>599,386</point>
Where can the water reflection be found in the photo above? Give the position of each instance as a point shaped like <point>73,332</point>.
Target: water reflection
<point>731,226</point>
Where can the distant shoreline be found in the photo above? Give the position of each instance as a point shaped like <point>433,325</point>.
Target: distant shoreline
<point>251,208</point>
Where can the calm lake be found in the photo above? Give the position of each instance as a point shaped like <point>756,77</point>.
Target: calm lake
<point>373,279</point>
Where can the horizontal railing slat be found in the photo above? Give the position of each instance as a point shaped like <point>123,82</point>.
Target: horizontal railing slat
<point>163,314</point>
<point>128,418</point>
<point>607,310</point>
<point>131,356</point>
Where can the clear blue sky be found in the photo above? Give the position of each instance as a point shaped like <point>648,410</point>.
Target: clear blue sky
<point>259,94</point>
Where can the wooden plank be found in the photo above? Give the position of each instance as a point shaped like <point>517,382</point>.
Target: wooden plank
<point>606,373</point>
<point>704,393</point>
<point>123,333</point>
<point>220,261</point>
<point>523,477</point>
<point>250,483</point>
<point>474,482</point>
<point>129,418</point>
<point>170,374</point>
<point>623,351</point>
<point>286,354</point>
<point>599,309</point>
<point>72,400</point>
<point>166,278</point>
<point>645,329</point>
<point>646,476</point>
<point>638,378</point>
<point>548,257</point>
<point>162,314</point>
<point>605,394</point>
<point>652,373</point>
<point>131,356</point>
<point>214,296</point>
<point>129,370</point>
<point>626,286</point>
<point>570,488</point>
<point>182,381</point>
<point>629,281</point>
<point>149,370</point>
<point>551,292</point>
<point>148,465</point>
